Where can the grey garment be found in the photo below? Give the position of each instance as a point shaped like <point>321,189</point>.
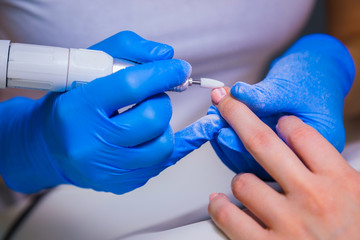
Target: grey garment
<point>226,40</point>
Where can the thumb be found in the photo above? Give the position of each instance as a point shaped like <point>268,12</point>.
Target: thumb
<point>128,45</point>
<point>195,135</point>
<point>264,98</point>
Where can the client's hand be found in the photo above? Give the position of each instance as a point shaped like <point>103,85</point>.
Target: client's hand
<point>321,192</point>
<point>310,81</point>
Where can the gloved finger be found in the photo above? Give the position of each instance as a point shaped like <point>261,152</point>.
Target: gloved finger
<point>143,122</point>
<point>119,187</point>
<point>222,154</point>
<point>133,85</point>
<point>266,97</point>
<point>126,181</point>
<point>128,45</point>
<point>195,135</point>
<point>117,183</point>
<point>144,155</point>
<point>235,153</point>
<point>316,65</point>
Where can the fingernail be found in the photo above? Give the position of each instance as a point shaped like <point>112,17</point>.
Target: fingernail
<point>213,195</point>
<point>217,94</point>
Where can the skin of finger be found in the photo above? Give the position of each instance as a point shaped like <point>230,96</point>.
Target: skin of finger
<point>328,211</point>
<point>233,221</point>
<point>268,205</point>
<point>331,215</point>
<point>263,144</point>
<point>328,207</point>
<point>312,148</point>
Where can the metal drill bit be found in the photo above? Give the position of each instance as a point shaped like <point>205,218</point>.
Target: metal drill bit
<point>203,82</point>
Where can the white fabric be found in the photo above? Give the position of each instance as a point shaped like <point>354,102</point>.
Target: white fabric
<point>226,40</point>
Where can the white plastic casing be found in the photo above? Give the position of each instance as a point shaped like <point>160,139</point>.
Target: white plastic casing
<point>4,53</point>
<point>54,68</point>
<point>37,67</point>
<point>86,65</point>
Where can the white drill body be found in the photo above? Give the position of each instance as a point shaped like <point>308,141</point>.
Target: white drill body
<point>59,69</point>
<point>50,68</point>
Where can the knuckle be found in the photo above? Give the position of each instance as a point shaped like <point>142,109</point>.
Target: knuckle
<point>227,108</point>
<point>166,142</point>
<point>242,181</point>
<point>301,134</point>
<point>73,154</point>
<point>135,82</point>
<point>157,113</point>
<point>300,230</point>
<point>223,214</point>
<point>167,149</point>
<point>259,140</point>
<point>61,111</point>
<point>77,156</point>
<point>129,85</point>
<point>124,35</point>
<point>316,200</point>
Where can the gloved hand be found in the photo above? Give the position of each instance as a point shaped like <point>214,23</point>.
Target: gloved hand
<point>79,138</point>
<point>310,81</point>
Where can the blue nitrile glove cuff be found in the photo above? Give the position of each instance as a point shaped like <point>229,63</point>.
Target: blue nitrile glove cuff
<point>25,161</point>
<point>310,81</point>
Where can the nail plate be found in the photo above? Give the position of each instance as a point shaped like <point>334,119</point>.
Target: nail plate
<point>218,94</point>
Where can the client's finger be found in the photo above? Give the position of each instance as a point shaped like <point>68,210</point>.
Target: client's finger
<point>233,221</point>
<point>263,144</point>
<point>263,201</point>
<point>314,150</point>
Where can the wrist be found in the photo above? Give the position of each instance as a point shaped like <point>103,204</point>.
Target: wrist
<point>26,164</point>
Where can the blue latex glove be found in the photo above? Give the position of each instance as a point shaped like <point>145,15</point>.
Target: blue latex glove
<point>193,136</point>
<point>310,81</point>
<point>78,138</point>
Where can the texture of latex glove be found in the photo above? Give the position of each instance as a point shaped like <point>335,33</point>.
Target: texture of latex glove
<point>193,136</point>
<point>79,138</point>
<point>310,80</point>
